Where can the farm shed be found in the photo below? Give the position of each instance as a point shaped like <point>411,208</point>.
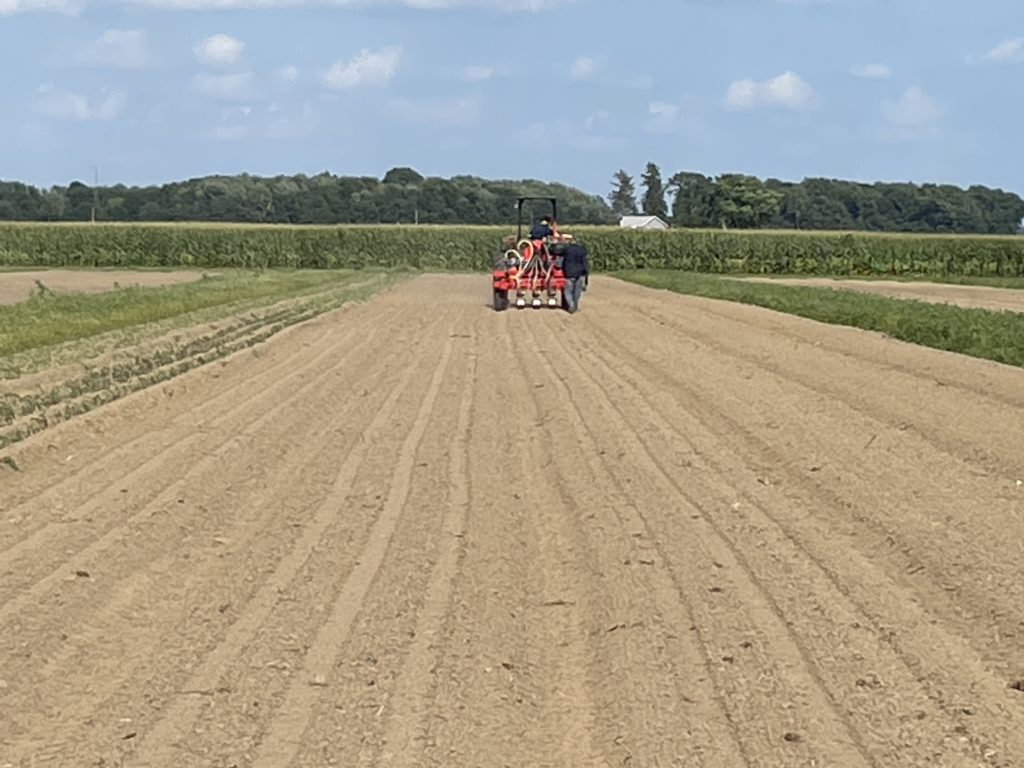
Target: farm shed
<point>642,222</point>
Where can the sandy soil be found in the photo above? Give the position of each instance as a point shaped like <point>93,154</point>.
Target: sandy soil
<point>414,532</point>
<point>937,293</point>
<point>18,286</point>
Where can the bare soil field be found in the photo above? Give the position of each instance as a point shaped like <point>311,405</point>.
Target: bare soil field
<point>18,286</point>
<point>980,297</point>
<point>666,531</point>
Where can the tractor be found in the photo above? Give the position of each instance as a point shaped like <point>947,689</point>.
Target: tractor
<point>525,266</point>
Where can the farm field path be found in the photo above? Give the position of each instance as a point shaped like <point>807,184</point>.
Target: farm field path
<point>666,531</point>
<point>17,286</point>
<point>972,296</point>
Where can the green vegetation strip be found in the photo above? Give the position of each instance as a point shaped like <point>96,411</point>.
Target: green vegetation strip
<point>35,408</point>
<point>48,318</point>
<point>474,248</point>
<point>1012,283</point>
<point>997,336</point>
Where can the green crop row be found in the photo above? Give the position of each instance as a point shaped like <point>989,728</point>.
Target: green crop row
<point>474,248</point>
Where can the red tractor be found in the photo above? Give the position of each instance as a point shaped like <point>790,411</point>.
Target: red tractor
<point>528,265</point>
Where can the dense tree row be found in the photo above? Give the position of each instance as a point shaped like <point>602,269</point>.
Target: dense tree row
<point>402,196</point>
<point>731,201</point>
<point>744,202</point>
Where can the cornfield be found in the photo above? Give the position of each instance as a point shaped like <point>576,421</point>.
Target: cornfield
<point>473,248</point>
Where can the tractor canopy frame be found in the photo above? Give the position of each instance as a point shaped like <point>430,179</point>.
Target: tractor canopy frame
<point>519,206</point>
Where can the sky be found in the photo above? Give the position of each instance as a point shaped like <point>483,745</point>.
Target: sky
<point>150,91</point>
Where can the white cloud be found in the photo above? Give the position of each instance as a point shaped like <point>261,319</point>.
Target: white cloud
<point>586,135</point>
<point>1011,50</point>
<point>477,73</point>
<point>663,116</point>
<point>235,86</point>
<point>639,83</point>
<point>228,132</point>
<point>117,48</point>
<point>289,74</point>
<point>271,122</point>
<point>76,106</point>
<point>218,50</point>
<point>915,108</point>
<point>786,90</point>
<point>873,72</point>
<point>11,7</point>
<point>594,120</point>
<point>456,111</point>
<point>583,68</point>
<point>508,6</point>
<point>374,68</point>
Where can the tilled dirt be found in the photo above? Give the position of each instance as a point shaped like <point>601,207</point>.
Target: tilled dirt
<point>665,531</point>
<point>971,296</point>
<point>18,286</point>
<point>97,370</point>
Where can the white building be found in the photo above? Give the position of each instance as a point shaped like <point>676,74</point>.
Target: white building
<point>642,222</point>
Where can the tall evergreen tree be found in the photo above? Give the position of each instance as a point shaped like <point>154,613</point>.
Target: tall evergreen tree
<point>654,193</point>
<point>623,196</point>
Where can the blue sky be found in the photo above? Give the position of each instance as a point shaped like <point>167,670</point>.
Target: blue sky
<point>156,90</point>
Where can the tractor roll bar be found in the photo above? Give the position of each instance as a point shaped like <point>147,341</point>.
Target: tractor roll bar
<point>519,206</point>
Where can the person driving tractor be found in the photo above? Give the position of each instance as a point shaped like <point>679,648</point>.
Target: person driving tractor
<point>543,229</point>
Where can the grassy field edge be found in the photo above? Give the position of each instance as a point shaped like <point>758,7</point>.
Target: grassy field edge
<point>980,333</point>
<point>1010,283</point>
<point>48,319</point>
<point>28,407</point>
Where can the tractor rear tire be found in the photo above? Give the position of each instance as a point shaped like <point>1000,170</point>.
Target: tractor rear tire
<point>500,300</point>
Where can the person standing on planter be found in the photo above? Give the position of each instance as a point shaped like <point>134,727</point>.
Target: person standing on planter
<point>577,274</point>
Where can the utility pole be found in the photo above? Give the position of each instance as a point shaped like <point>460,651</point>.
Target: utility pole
<point>95,191</point>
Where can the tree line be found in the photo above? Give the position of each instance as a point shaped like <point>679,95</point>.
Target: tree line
<point>738,201</point>
<point>404,196</point>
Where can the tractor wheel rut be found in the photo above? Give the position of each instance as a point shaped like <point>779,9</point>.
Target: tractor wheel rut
<point>418,532</point>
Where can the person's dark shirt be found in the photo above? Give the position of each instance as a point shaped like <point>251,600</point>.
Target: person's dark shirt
<point>575,262</point>
<point>540,231</point>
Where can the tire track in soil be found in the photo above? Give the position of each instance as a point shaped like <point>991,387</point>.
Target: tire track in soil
<point>283,740</point>
<point>567,707</point>
<point>175,446</point>
<point>147,585</point>
<point>406,729</point>
<point>206,381</point>
<point>347,720</point>
<point>856,388</point>
<point>114,455</point>
<point>138,657</point>
<point>947,427</point>
<point>493,670</point>
<point>780,690</point>
<point>227,342</point>
<point>177,450</point>
<point>940,455</point>
<point>29,591</point>
<point>983,378</point>
<point>701,731</point>
<point>969,546</point>
<point>158,747</point>
<point>834,597</point>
